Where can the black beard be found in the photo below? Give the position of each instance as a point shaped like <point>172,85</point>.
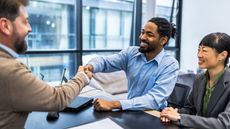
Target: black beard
<point>20,44</point>
<point>146,50</point>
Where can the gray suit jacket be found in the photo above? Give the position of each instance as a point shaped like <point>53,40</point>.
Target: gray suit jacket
<point>218,111</point>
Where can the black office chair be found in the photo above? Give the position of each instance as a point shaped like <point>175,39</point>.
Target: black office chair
<point>179,96</point>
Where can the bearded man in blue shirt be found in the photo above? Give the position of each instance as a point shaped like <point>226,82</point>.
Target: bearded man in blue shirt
<point>150,71</point>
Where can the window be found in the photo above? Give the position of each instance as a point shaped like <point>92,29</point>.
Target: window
<point>106,25</point>
<point>51,65</point>
<point>162,8</point>
<point>52,42</point>
<point>53,30</point>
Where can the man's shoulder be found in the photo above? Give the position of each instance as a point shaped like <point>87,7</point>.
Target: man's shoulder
<point>168,59</point>
<point>133,51</point>
<point>9,64</point>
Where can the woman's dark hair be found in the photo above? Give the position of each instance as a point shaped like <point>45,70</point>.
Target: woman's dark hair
<point>165,28</point>
<point>10,8</point>
<point>218,41</point>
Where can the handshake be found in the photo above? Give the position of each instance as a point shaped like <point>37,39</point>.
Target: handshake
<point>87,69</point>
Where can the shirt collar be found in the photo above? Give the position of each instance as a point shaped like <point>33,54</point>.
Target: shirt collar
<point>217,77</point>
<point>9,50</point>
<point>158,57</point>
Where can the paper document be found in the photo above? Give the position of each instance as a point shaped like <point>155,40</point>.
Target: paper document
<point>101,124</point>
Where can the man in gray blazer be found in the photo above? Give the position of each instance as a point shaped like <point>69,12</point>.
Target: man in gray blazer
<point>20,91</point>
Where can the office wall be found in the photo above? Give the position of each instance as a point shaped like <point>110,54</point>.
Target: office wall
<point>200,17</point>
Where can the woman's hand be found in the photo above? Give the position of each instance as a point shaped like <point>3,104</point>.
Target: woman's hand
<point>169,114</point>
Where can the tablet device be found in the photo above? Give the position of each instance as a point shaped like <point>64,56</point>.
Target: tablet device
<point>79,103</point>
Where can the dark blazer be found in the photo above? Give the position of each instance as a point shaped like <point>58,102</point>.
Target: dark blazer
<point>218,110</point>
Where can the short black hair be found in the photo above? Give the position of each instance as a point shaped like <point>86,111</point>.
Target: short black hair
<point>218,41</point>
<point>164,27</point>
<point>10,8</point>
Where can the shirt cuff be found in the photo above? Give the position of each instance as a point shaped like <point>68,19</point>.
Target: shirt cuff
<point>126,104</point>
<point>87,78</point>
<point>95,69</point>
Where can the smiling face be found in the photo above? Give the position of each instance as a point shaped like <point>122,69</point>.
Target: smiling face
<point>208,57</point>
<point>150,39</point>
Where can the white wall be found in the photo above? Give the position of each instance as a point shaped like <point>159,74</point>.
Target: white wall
<point>199,18</point>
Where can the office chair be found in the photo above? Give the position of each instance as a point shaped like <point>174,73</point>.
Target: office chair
<point>179,95</point>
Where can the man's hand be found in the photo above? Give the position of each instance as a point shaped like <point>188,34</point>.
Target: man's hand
<point>88,73</point>
<point>104,105</point>
<point>169,114</point>
<point>88,67</point>
<point>80,69</point>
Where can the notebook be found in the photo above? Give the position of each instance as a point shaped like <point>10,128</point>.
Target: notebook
<point>79,103</point>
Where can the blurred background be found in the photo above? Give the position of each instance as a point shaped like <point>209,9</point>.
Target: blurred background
<point>68,33</point>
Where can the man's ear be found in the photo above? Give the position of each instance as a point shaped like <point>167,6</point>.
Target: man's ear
<point>5,26</point>
<point>163,40</point>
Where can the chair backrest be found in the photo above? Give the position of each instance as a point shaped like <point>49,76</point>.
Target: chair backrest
<point>186,79</point>
<point>179,95</point>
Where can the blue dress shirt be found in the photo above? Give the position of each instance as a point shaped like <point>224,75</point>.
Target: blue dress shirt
<point>149,82</point>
